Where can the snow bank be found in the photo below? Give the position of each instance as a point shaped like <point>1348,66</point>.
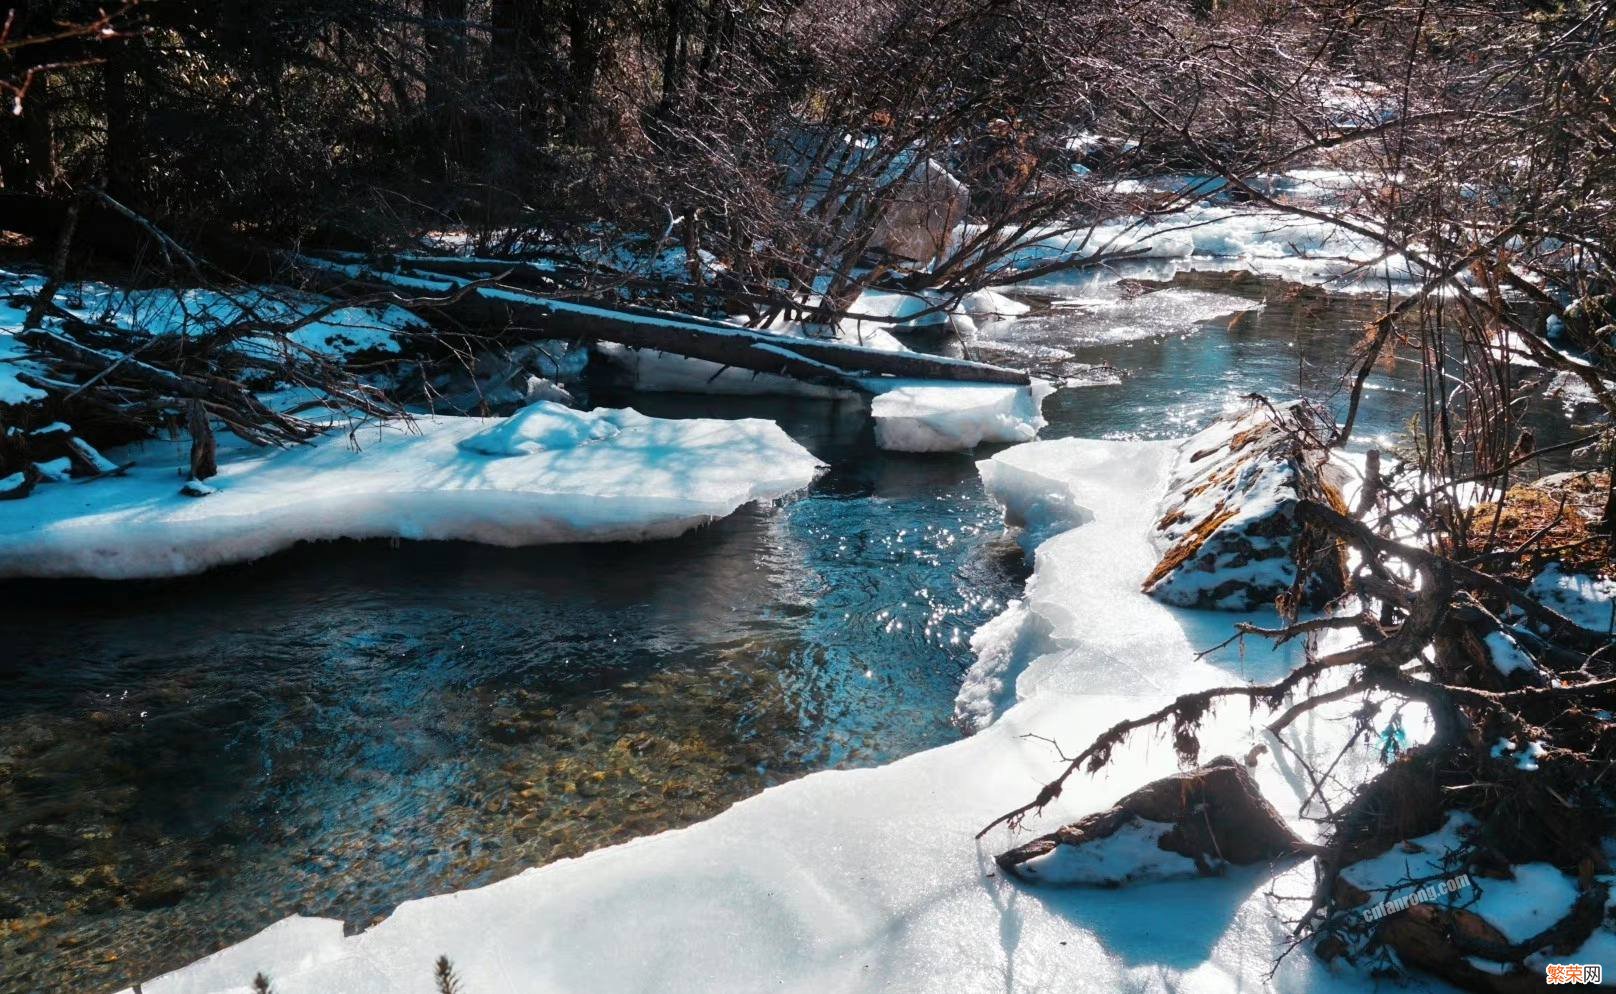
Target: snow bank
<point>544,475</point>
<point>926,416</point>
<point>871,880</point>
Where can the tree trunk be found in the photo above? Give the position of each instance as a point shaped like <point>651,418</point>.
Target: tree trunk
<point>124,104</point>
<point>445,44</point>
<point>204,447</point>
<point>811,360</point>
<point>586,43</point>
<point>39,136</point>
<point>675,52</point>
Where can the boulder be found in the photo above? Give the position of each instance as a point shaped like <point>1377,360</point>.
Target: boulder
<point>919,201</point>
<point>1186,825</point>
<point>927,205</point>
<point>1229,529</point>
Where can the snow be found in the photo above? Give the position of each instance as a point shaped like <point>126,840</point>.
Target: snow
<point>339,334</point>
<point>55,470</point>
<point>1130,855</point>
<point>1599,947</point>
<point>544,475</point>
<point>665,372</point>
<point>877,313</point>
<point>1506,656</point>
<point>1538,896</point>
<point>1588,601</point>
<point>1211,236</point>
<point>1527,758</point>
<point>988,685</point>
<point>926,416</point>
<point>871,880</point>
<point>343,332</point>
<point>12,314</point>
<point>547,425</point>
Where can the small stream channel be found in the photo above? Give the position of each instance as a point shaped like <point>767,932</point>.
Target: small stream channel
<point>340,728</point>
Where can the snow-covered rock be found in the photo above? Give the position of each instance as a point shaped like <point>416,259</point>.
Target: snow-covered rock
<point>1189,824</point>
<point>914,416</point>
<point>1229,530</point>
<point>872,880</point>
<point>1424,895</point>
<point>547,474</point>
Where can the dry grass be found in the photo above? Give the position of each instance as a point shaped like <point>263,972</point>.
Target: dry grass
<point>1551,519</point>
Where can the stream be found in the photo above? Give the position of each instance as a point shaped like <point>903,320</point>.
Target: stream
<point>343,727</point>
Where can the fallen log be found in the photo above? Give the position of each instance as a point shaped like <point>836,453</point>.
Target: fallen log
<point>497,306</point>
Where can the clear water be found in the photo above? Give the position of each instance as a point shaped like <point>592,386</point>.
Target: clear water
<point>344,727</point>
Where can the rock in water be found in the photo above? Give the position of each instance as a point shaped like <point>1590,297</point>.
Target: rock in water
<point>1189,824</point>
<point>1229,524</point>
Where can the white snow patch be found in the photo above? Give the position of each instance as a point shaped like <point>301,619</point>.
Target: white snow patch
<point>1506,656</point>
<point>1538,896</point>
<point>548,425</point>
<point>1588,601</point>
<point>595,476</point>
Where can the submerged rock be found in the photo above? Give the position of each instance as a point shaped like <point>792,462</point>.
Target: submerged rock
<point>1189,824</point>
<point>1229,525</point>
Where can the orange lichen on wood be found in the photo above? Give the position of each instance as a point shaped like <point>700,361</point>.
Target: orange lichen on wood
<point>1189,545</point>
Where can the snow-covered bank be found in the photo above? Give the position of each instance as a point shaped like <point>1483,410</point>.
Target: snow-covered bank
<point>870,880</point>
<point>546,474</point>
<point>1207,235</point>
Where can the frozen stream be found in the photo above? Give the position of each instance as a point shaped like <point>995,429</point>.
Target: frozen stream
<point>339,729</point>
